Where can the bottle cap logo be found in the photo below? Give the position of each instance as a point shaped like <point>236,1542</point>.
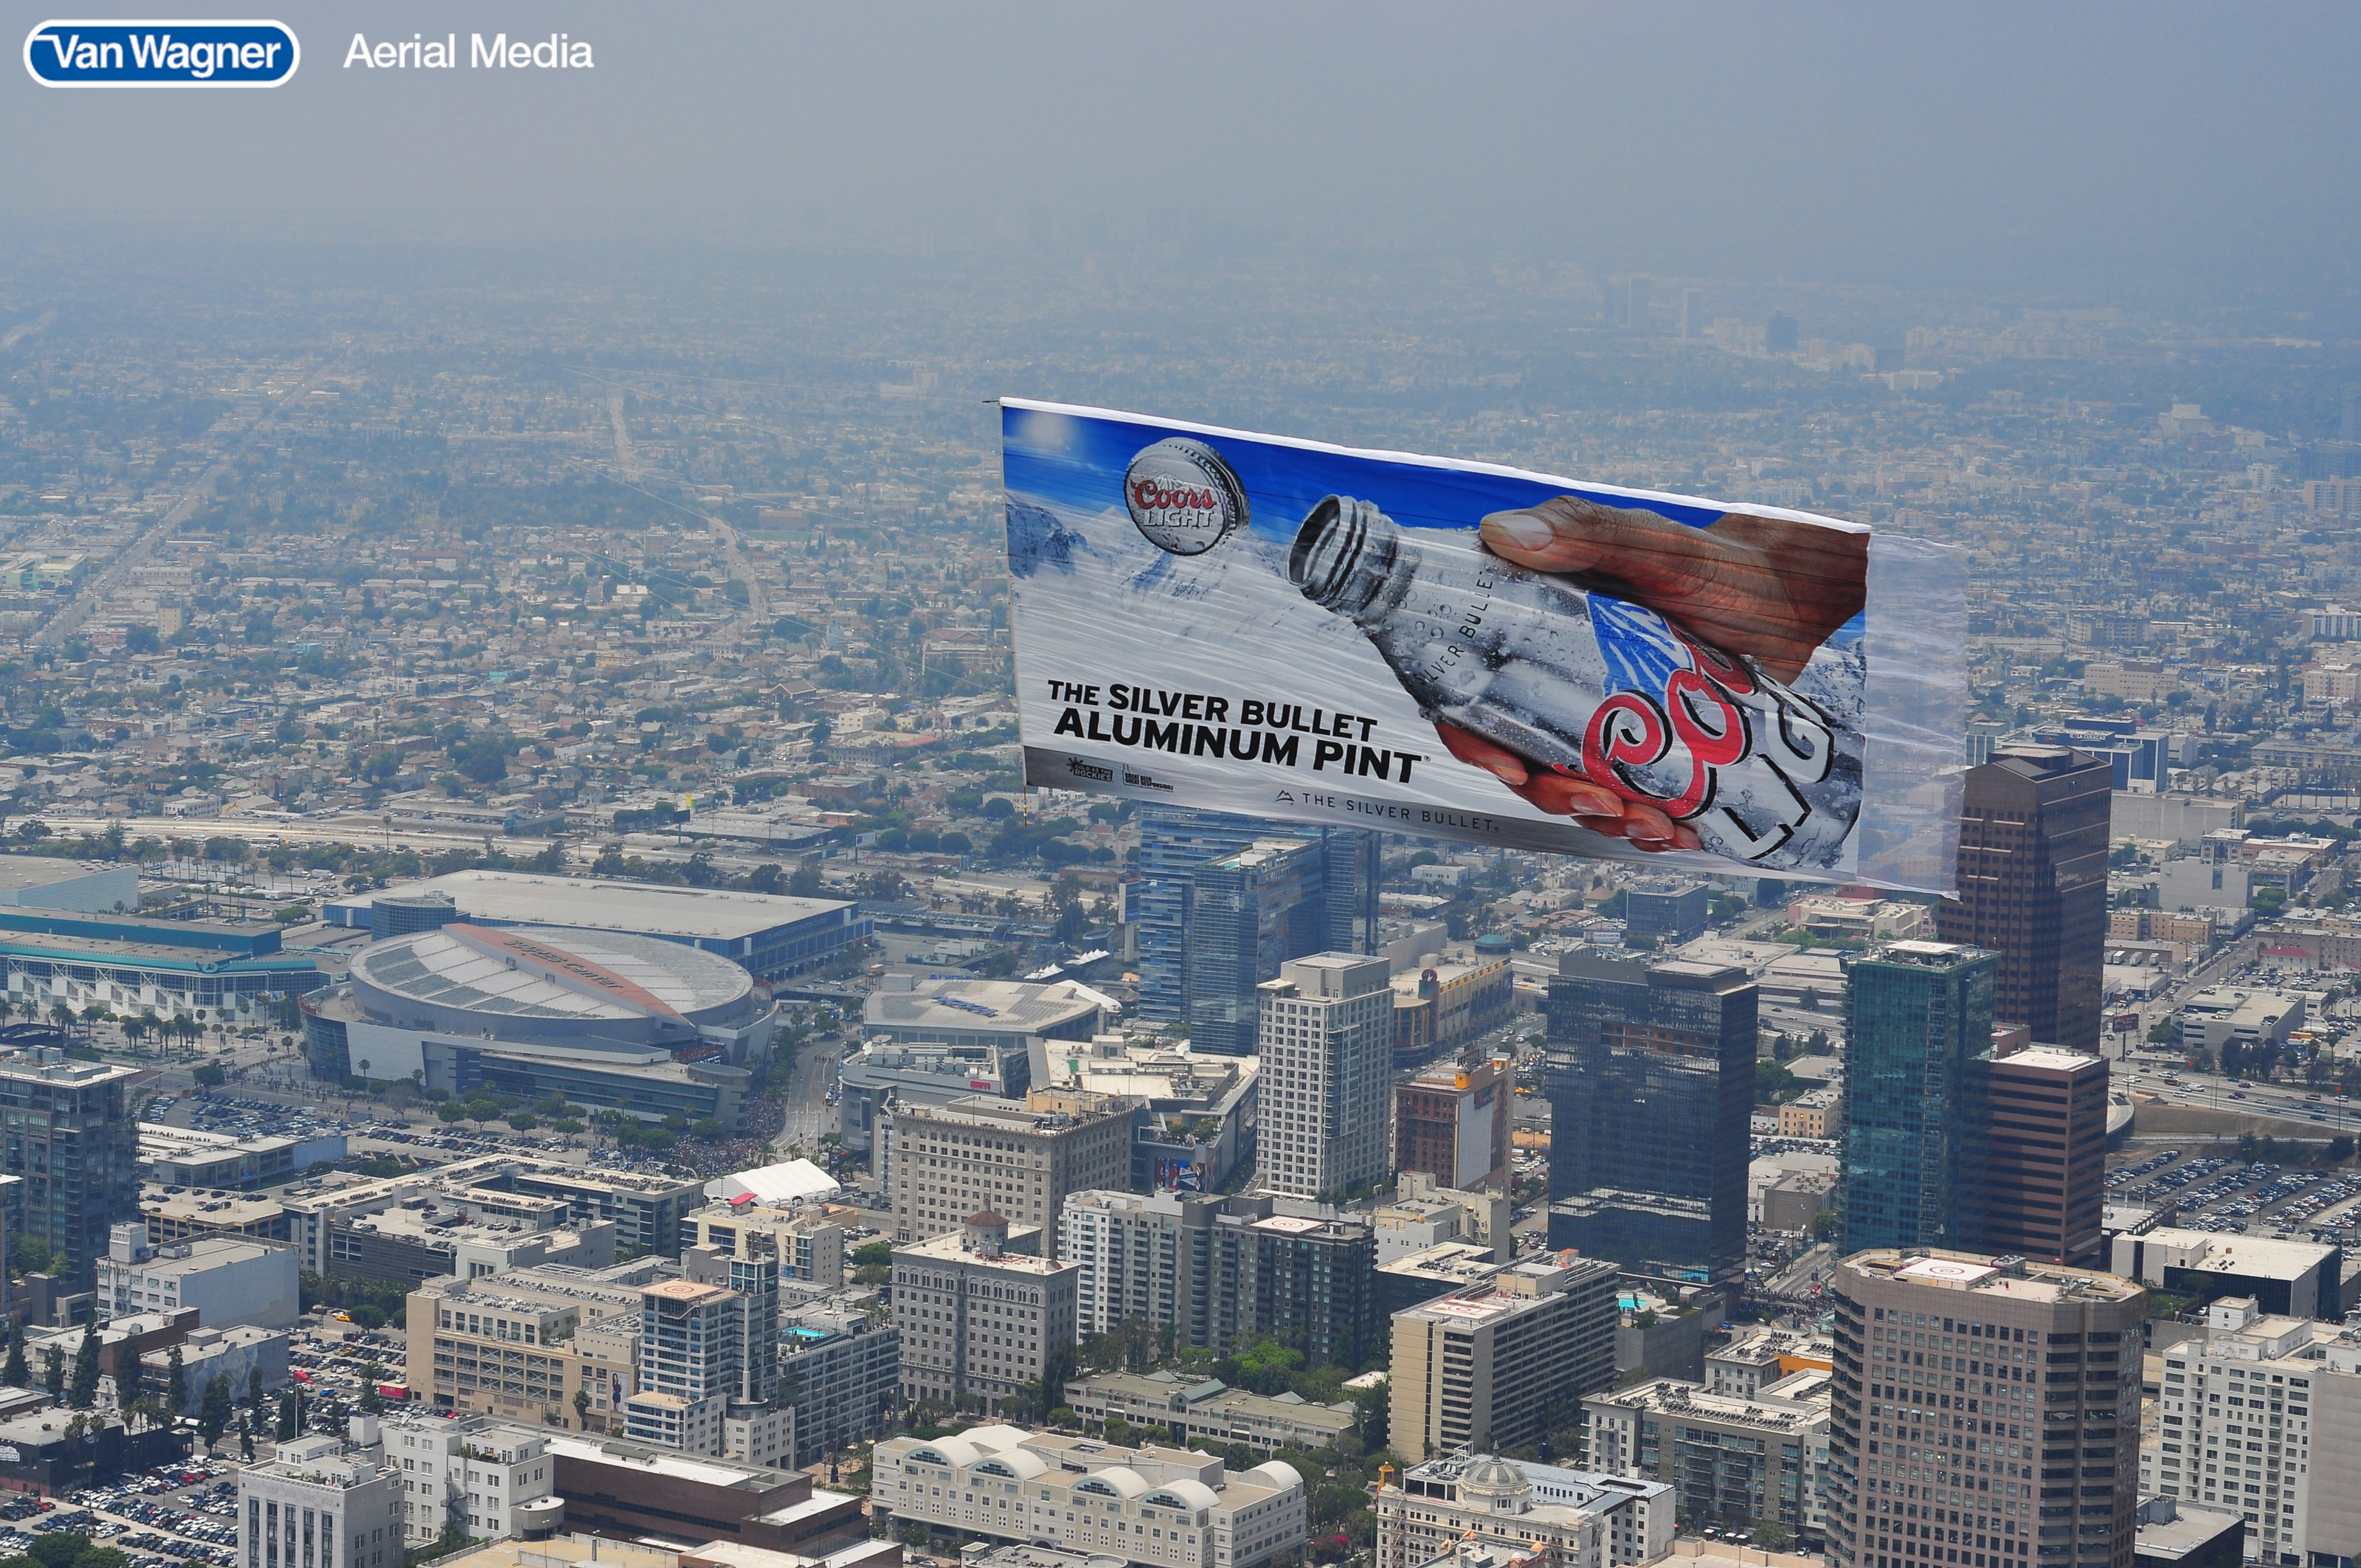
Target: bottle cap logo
<point>1182,498</point>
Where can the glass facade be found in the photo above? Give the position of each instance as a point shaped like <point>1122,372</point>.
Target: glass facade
<point>1248,913</point>
<point>1651,1088</point>
<point>1177,843</point>
<point>1918,1024</point>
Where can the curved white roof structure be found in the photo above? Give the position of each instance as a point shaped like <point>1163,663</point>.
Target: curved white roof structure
<point>532,983</point>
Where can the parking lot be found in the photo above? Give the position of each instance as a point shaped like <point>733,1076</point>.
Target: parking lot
<point>2215,1191</point>
<point>159,1519</point>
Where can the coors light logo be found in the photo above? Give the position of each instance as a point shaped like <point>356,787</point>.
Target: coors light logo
<point>1182,498</point>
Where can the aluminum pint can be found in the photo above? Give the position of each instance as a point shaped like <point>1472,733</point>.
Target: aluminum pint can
<point>1592,686</point>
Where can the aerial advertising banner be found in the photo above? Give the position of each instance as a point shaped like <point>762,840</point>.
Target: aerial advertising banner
<point>1285,629</point>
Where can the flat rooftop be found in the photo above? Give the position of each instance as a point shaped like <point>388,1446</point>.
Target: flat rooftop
<point>673,1465</point>
<point>2045,1283</point>
<point>525,898</point>
<point>2240,1256</point>
<point>207,1253</point>
<point>20,873</point>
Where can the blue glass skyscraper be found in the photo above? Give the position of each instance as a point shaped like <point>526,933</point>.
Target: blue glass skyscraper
<point>1918,1023</point>
<point>1176,843</point>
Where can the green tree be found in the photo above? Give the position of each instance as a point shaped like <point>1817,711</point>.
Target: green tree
<point>213,1412</point>
<point>130,1376</point>
<point>57,1548</point>
<point>291,1416</point>
<point>582,1408</point>
<point>176,1382</point>
<point>15,1374</point>
<point>83,1392</point>
<point>254,1390</point>
<point>245,1435</point>
<point>53,1372</point>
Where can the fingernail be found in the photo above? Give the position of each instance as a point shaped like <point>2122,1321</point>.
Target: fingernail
<point>1519,530</point>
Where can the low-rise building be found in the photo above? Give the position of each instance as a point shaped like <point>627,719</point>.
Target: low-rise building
<point>630,1490</point>
<point>1572,1519</point>
<point>2293,1278</point>
<point>524,1346</point>
<point>1439,1005</point>
<point>2177,1533</point>
<point>229,1281</point>
<point>50,1453</point>
<point>1815,1114</point>
<point>1759,1355</point>
<point>1196,1111</point>
<point>1210,1411</point>
<point>1734,1461</point>
<point>885,1072</point>
<point>333,1501</point>
<point>188,1156</point>
<point>2222,1016</point>
<point>235,1355</point>
<point>1159,1507</point>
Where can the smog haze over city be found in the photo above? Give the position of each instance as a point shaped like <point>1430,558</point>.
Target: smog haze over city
<point>523,495</point>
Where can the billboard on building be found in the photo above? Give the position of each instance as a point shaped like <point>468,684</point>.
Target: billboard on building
<point>1210,618</point>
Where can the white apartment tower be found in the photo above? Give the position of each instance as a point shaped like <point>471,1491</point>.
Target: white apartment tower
<point>1326,1043</point>
<point>691,1363</point>
<point>2263,1414</point>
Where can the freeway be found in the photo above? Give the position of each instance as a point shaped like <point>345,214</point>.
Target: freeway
<point>360,831</point>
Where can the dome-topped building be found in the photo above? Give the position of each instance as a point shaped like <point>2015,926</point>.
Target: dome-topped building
<point>1498,1483</point>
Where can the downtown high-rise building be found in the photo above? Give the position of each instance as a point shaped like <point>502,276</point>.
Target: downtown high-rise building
<point>1918,1025</point>
<point>1651,1088</point>
<point>2033,887</point>
<point>1250,911</point>
<point>2044,1166</point>
<point>1177,843</point>
<point>1327,1042</point>
<point>1984,1413</point>
<point>74,1144</point>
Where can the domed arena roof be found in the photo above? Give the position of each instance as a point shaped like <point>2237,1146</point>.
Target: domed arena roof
<point>529,983</point>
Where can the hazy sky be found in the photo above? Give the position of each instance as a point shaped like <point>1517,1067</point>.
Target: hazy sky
<point>2088,152</point>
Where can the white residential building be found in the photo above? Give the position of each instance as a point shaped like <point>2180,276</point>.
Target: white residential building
<point>1326,1044</point>
<point>472,1471</point>
<point>228,1279</point>
<point>1159,1507</point>
<point>319,1503</point>
<point>691,1359</point>
<point>2263,1414</point>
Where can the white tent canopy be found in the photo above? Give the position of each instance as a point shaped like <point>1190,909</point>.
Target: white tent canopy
<point>797,1181</point>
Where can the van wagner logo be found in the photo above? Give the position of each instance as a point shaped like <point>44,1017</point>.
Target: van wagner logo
<point>161,54</point>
